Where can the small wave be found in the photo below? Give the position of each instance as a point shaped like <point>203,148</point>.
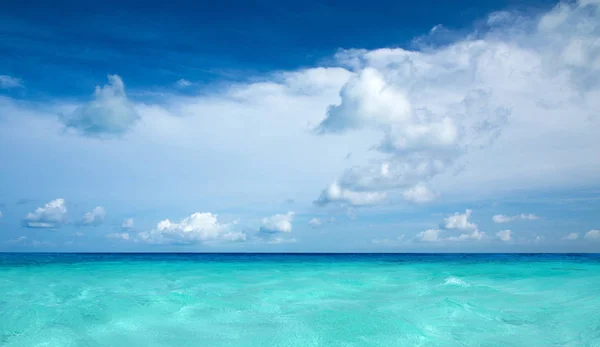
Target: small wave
<point>455,281</point>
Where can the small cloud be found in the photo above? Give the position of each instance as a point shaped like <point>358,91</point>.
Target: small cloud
<point>23,201</point>
<point>278,240</point>
<point>475,235</point>
<point>277,223</point>
<point>127,224</point>
<point>430,235</point>
<point>8,82</point>
<point>109,113</point>
<point>94,217</point>
<point>315,222</point>
<point>183,83</point>
<point>1,215</point>
<point>504,235</point>
<point>500,218</point>
<point>571,237</point>
<point>119,236</point>
<point>51,215</point>
<point>419,194</point>
<point>336,194</point>
<point>290,201</point>
<point>77,233</point>
<point>593,234</point>
<point>459,221</point>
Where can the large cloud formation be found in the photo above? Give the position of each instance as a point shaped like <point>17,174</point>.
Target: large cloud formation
<point>434,105</point>
<point>109,113</point>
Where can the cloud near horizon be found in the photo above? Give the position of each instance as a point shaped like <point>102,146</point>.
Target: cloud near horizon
<point>51,215</point>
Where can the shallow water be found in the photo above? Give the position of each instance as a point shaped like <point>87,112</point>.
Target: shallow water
<point>299,300</point>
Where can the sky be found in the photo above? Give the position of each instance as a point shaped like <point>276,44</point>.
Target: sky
<point>392,126</point>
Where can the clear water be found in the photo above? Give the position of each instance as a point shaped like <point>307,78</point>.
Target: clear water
<point>299,300</point>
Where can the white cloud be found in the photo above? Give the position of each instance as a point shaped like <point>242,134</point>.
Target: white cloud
<point>94,217</point>
<point>475,235</point>
<point>127,224</point>
<point>459,221</point>
<point>419,194</point>
<point>183,83</point>
<point>120,236</point>
<point>593,234</point>
<point>456,221</point>
<point>433,108</point>
<point>198,227</point>
<point>277,223</point>
<point>51,215</point>
<point>571,237</point>
<point>430,235</point>
<point>8,82</point>
<point>500,218</point>
<point>335,194</point>
<point>504,235</point>
<point>315,222</point>
<point>109,113</point>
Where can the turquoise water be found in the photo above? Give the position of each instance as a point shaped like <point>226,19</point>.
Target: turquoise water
<point>299,300</point>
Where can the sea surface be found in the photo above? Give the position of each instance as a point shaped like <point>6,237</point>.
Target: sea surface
<point>299,300</point>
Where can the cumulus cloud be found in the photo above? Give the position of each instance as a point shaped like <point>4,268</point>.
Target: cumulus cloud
<point>198,227</point>
<point>504,235</point>
<point>430,235</point>
<point>94,217</point>
<point>343,196</point>
<point>279,223</point>
<point>500,218</point>
<point>109,113</point>
<point>571,236</point>
<point>8,82</point>
<point>593,234</point>
<point>434,106</point>
<point>127,224</point>
<point>459,221</point>
<point>51,215</point>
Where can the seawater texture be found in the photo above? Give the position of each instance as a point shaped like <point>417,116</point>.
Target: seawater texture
<point>299,300</point>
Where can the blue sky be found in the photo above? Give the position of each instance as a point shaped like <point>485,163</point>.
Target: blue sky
<point>284,126</point>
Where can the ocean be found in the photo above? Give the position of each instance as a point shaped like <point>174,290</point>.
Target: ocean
<point>299,300</point>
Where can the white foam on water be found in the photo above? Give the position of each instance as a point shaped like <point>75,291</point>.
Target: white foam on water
<point>455,281</point>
